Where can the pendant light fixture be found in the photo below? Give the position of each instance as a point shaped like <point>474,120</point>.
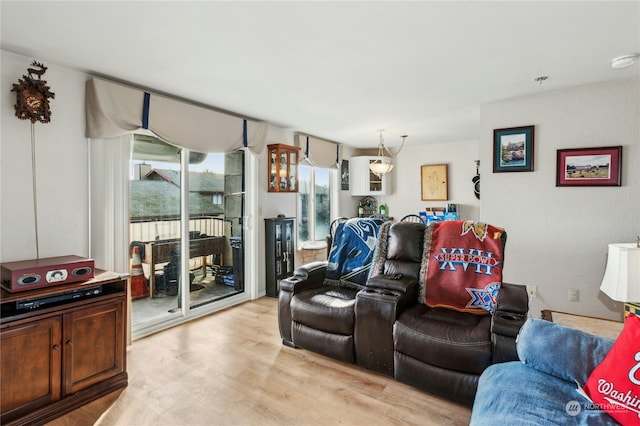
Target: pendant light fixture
<point>384,160</point>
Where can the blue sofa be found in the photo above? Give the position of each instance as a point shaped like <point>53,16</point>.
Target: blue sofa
<point>540,389</point>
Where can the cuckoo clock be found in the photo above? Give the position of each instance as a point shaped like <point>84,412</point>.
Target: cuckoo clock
<point>33,95</point>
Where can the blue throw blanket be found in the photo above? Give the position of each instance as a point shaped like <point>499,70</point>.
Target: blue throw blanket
<point>352,251</point>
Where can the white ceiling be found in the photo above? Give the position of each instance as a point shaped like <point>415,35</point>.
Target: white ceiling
<point>336,70</point>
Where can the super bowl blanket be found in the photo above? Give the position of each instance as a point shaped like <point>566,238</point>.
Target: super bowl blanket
<point>351,251</point>
<point>462,266</point>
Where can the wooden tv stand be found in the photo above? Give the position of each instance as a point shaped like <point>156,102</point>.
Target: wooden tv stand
<point>59,356</point>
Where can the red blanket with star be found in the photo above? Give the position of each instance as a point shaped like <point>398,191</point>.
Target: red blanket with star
<point>462,266</point>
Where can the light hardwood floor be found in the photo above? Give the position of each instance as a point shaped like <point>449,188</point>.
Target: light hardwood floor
<point>230,368</point>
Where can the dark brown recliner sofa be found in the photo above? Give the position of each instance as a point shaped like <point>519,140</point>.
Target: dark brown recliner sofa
<point>386,329</point>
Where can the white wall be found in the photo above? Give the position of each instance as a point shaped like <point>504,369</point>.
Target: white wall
<point>61,168</point>
<point>271,204</point>
<point>460,158</point>
<point>558,236</point>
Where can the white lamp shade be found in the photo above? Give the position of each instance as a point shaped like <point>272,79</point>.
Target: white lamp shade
<point>622,276</point>
<point>381,168</point>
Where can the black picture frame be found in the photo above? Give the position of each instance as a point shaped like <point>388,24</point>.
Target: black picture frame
<point>513,149</point>
<point>344,175</point>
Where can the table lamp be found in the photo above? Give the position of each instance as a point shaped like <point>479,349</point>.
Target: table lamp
<point>621,279</point>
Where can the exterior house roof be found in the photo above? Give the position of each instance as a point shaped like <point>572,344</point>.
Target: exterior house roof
<point>203,182</point>
<point>161,198</point>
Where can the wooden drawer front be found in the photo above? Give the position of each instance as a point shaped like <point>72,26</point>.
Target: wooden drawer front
<point>30,359</point>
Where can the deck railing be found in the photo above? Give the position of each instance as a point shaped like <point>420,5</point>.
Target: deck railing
<point>150,229</point>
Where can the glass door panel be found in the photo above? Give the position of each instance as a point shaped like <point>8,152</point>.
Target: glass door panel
<point>216,204</point>
<point>215,256</point>
<point>154,231</point>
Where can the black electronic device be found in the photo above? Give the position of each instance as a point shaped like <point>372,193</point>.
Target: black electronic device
<point>37,302</point>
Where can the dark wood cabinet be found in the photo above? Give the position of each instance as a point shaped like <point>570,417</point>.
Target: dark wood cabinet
<point>93,343</point>
<point>61,355</point>
<point>279,252</point>
<point>31,365</point>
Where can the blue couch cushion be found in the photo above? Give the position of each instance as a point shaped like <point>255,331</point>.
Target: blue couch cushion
<point>565,352</point>
<point>514,393</point>
<point>541,388</point>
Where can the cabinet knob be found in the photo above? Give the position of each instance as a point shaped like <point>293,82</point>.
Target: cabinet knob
<point>56,347</point>
<point>69,343</point>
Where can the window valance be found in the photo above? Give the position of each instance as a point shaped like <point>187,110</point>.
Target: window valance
<point>114,109</point>
<point>319,152</point>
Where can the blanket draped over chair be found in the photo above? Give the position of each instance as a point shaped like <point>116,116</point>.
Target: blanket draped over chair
<point>352,251</point>
<point>462,266</point>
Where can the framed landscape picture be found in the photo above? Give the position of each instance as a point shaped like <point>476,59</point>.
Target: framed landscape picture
<point>513,149</point>
<point>589,166</point>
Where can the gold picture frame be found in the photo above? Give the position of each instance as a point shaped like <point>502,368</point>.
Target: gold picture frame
<point>434,182</point>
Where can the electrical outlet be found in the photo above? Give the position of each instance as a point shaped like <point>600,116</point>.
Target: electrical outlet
<point>574,295</point>
<point>532,291</point>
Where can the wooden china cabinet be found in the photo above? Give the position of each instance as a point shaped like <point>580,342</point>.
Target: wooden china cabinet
<point>60,355</point>
<point>283,168</point>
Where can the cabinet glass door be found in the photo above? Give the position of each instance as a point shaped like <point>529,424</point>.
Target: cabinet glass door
<point>289,249</point>
<point>278,249</point>
<point>284,171</point>
<point>273,170</point>
<point>375,181</point>
<point>293,178</point>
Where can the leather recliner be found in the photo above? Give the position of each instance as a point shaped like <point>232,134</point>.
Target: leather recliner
<point>317,315</point>
<point>322,316</point>
<point>439,350</point>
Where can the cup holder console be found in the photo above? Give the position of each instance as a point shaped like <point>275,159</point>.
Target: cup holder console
<point>381,292</point>
<point>510,316</point>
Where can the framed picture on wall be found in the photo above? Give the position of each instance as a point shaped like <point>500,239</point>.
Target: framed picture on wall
<point>434,182</point>
<point>513,149</point>
<point>344,175</point>
<point>589,166</point>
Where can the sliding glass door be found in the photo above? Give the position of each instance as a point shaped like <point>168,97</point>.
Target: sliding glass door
<point>185,230</point>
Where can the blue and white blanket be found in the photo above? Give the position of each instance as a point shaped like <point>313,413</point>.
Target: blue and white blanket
<point>352,251</point>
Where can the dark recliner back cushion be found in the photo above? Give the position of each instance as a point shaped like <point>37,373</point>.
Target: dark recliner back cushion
<point>404,249</point>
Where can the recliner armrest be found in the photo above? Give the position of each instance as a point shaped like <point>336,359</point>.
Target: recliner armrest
<point>306,276</point>
<point>403,284</point>
<point>513,298</point>
<point>512,307</point>
<point>510,315</point>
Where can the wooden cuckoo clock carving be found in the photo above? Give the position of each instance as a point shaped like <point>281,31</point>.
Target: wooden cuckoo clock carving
<point>33,95</point>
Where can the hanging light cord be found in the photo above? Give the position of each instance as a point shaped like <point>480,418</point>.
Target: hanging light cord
<point>382,147</point>
<point>33,175</point>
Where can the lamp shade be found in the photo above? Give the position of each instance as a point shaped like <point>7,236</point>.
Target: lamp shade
<point>381,166</point>
<point>622,276</point>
